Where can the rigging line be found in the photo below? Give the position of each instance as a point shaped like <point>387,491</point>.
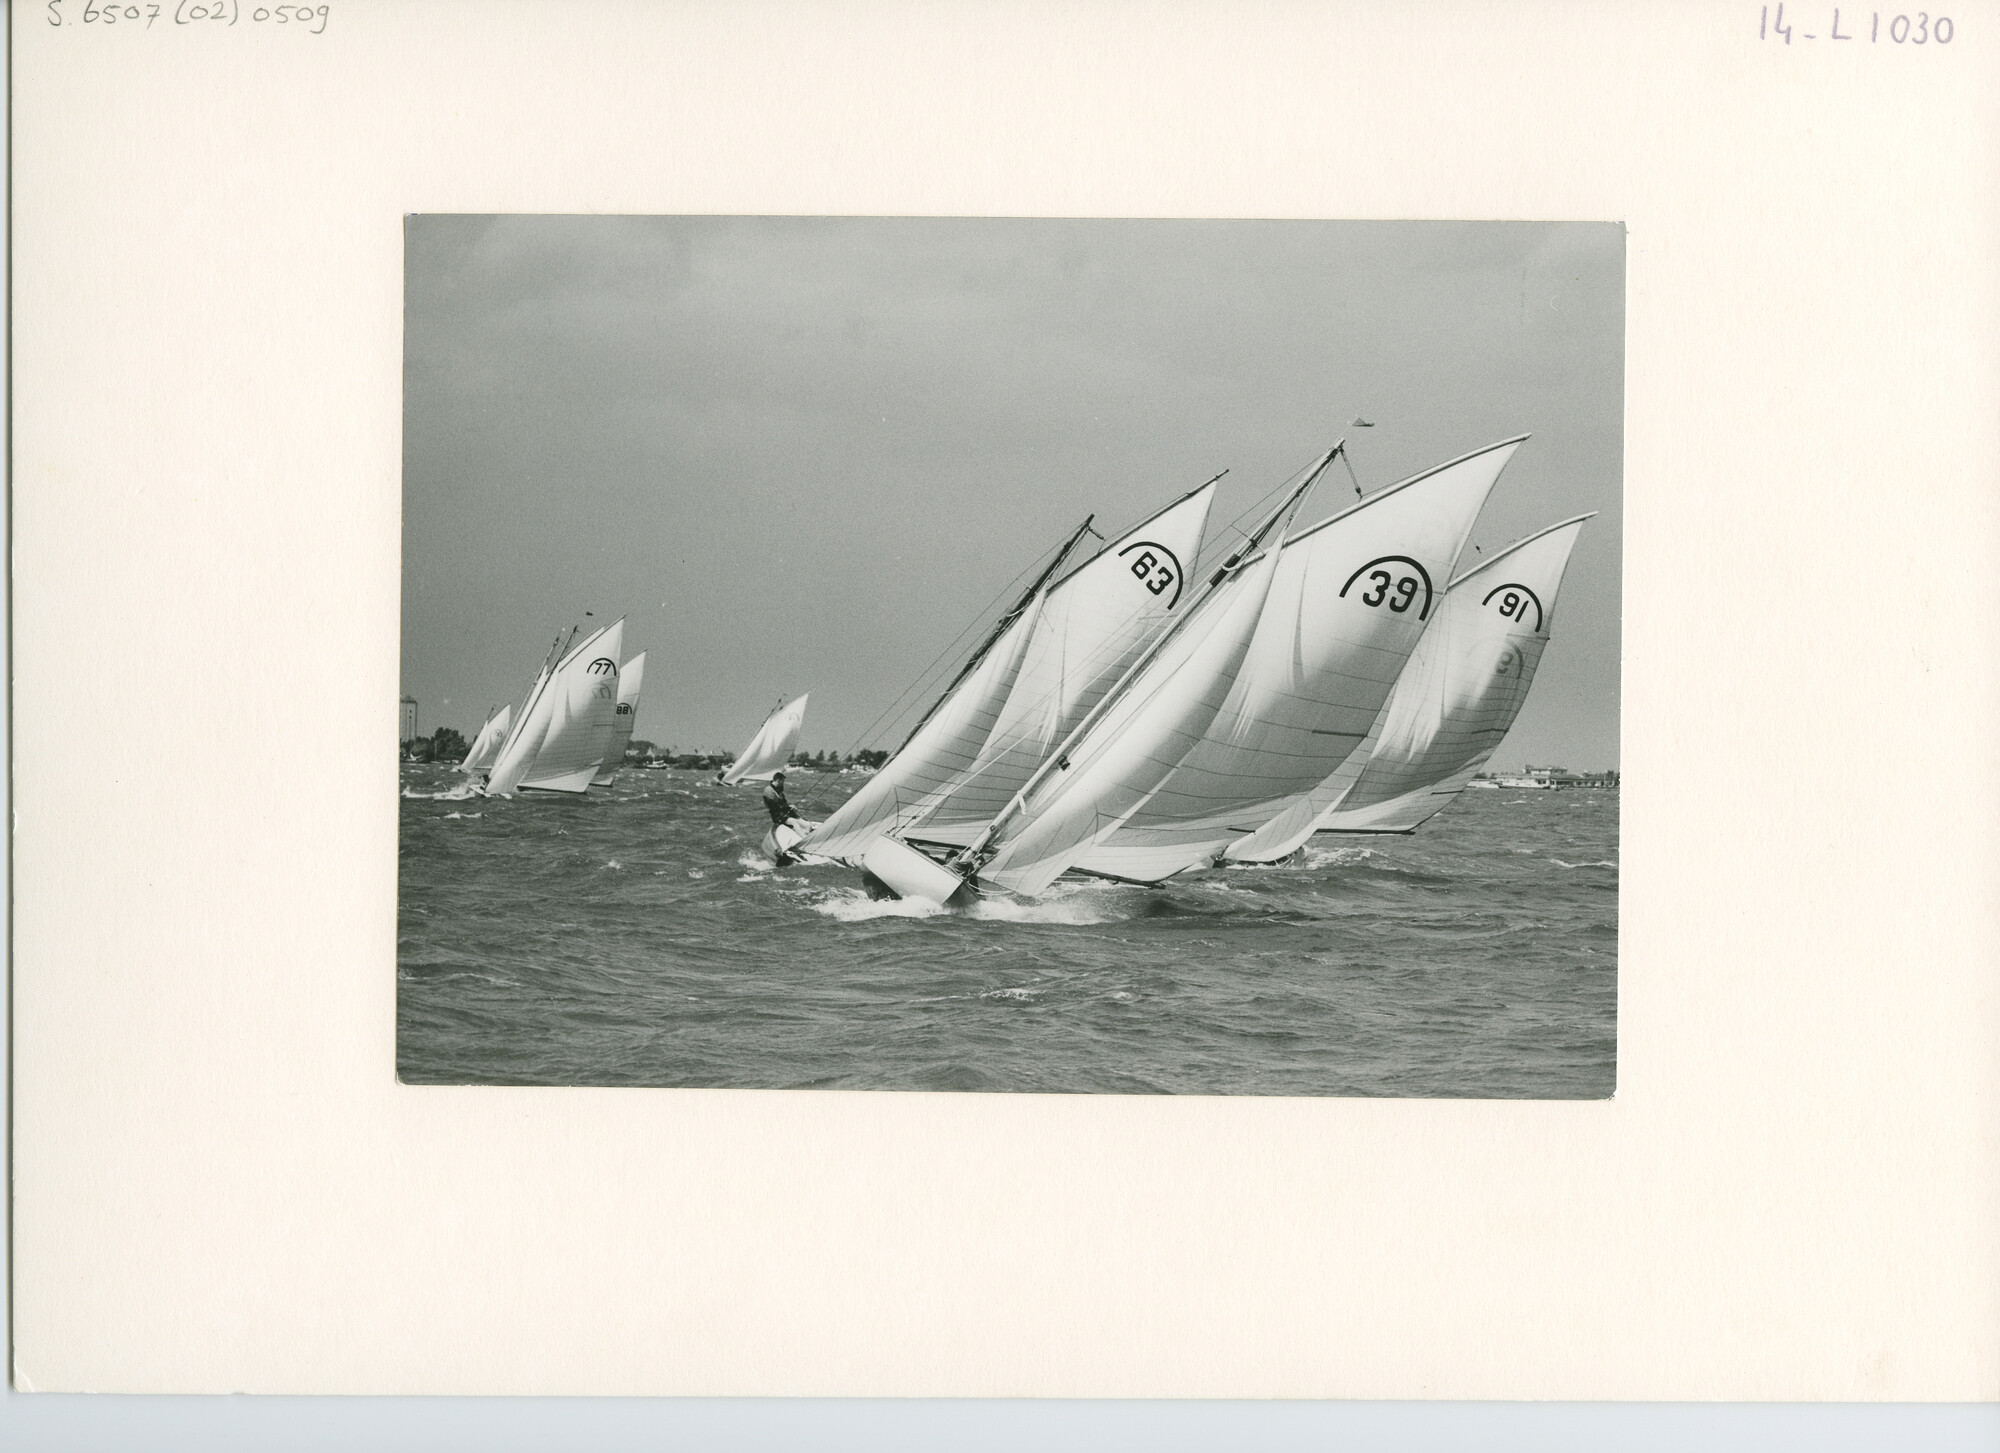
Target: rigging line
<point>1350,472</point>
<point>1257,506</point>
<point>1000,628</point>
<point>972,858</point>
<point>917,688</point>
<point>899,706</point>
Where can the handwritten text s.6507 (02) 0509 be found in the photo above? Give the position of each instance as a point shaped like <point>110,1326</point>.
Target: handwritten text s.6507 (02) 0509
<point>180,14</point>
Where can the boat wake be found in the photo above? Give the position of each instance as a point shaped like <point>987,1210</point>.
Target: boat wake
<point>1073,905</point>
<point>1337,857</point>
<point>460,793</point>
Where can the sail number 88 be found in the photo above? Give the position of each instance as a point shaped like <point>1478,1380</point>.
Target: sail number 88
<point>1406,591</point>
<point>1143,568</point>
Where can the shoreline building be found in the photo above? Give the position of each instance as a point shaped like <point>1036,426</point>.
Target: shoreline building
<point>409,721</point>
<point>1563,777</point>
<point>1548,778</point>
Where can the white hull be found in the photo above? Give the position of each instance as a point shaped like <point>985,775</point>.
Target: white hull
<point>909,874</point>
<point>781,842</point>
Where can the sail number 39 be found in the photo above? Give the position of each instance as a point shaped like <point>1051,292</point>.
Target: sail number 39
<point>1406,591</point>
<point>1397,588</point>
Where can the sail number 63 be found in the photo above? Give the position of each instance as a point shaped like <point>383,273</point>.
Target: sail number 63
<point>1144,567</point>
<point>1155,567</point>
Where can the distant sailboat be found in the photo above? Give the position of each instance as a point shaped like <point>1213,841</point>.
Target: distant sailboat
<point>486,746</point>
<point>1249,699</point>
<point>1463,688</point>
<point>770,748</point>
<point>560,736</point>
<point>630,676</point>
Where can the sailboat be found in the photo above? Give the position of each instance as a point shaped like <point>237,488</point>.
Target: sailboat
<point>486,746</point>
<point>770,748</point>
<point>560,736</point>
<point>1247,700</point>
<point>1043,667</point>
<point>630,677</point>
<point>1463,688</point>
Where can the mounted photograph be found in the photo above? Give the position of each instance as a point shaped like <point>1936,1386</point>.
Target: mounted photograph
<point>1033,655</point>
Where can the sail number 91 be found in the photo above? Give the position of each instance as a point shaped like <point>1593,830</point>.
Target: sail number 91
<point>1406,591</point>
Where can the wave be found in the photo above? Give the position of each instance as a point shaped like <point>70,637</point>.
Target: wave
<point>456,794</point>
<point>851,905</point>
<point>1084,904</point>
<point>1337,857</point>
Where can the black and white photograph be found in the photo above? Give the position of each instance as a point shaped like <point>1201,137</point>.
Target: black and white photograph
<point>1037,655</point>
<point>901,725</point>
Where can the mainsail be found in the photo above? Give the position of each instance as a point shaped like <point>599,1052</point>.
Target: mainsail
<point>630,676</point>
<point>561,734</point>
<point>1457,698</point>
<point>486,746</point>
<point>515,733</point>
<point>1162,706</point>
<point>1049,661</point>
<point>1255,698</point>
<point>1095,623</point>
<point>1352,597</point>
<point>771,748</point>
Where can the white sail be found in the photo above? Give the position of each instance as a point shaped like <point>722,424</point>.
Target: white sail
<point>517,749</point>
<point>585,693</point>
<point>630,677</point>
<point>771,748</point>
<point>1095,623</point>
<point>560,737</point>
<point>937,752</point>
<point>1347,602</point>
<point>1055,660</point>
<point>486,746</point>
<point>1149,725</point>
<point>1455,701</point>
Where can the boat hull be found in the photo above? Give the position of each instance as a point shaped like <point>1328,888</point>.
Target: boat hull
<point>909,874</point>
<point>781,843</point>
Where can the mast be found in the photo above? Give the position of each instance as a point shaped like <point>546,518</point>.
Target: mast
<point>1000,629</point>
<point>557,653</point>
<point>972,855</point>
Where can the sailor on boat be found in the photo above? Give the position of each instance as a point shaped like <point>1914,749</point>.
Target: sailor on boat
<point>775,802</point>
<point>782,812</point>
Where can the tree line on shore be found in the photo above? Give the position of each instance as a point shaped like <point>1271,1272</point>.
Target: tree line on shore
<point>447,745</point>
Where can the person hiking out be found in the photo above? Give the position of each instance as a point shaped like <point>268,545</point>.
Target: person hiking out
<point>775,801</point>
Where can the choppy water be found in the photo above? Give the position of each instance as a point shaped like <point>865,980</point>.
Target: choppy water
<point>636,936</point>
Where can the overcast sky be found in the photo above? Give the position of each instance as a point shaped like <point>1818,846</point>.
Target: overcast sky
<point>803,454</point>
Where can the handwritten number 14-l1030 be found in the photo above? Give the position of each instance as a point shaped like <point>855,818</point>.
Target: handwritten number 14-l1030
<point>1901,29</point>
